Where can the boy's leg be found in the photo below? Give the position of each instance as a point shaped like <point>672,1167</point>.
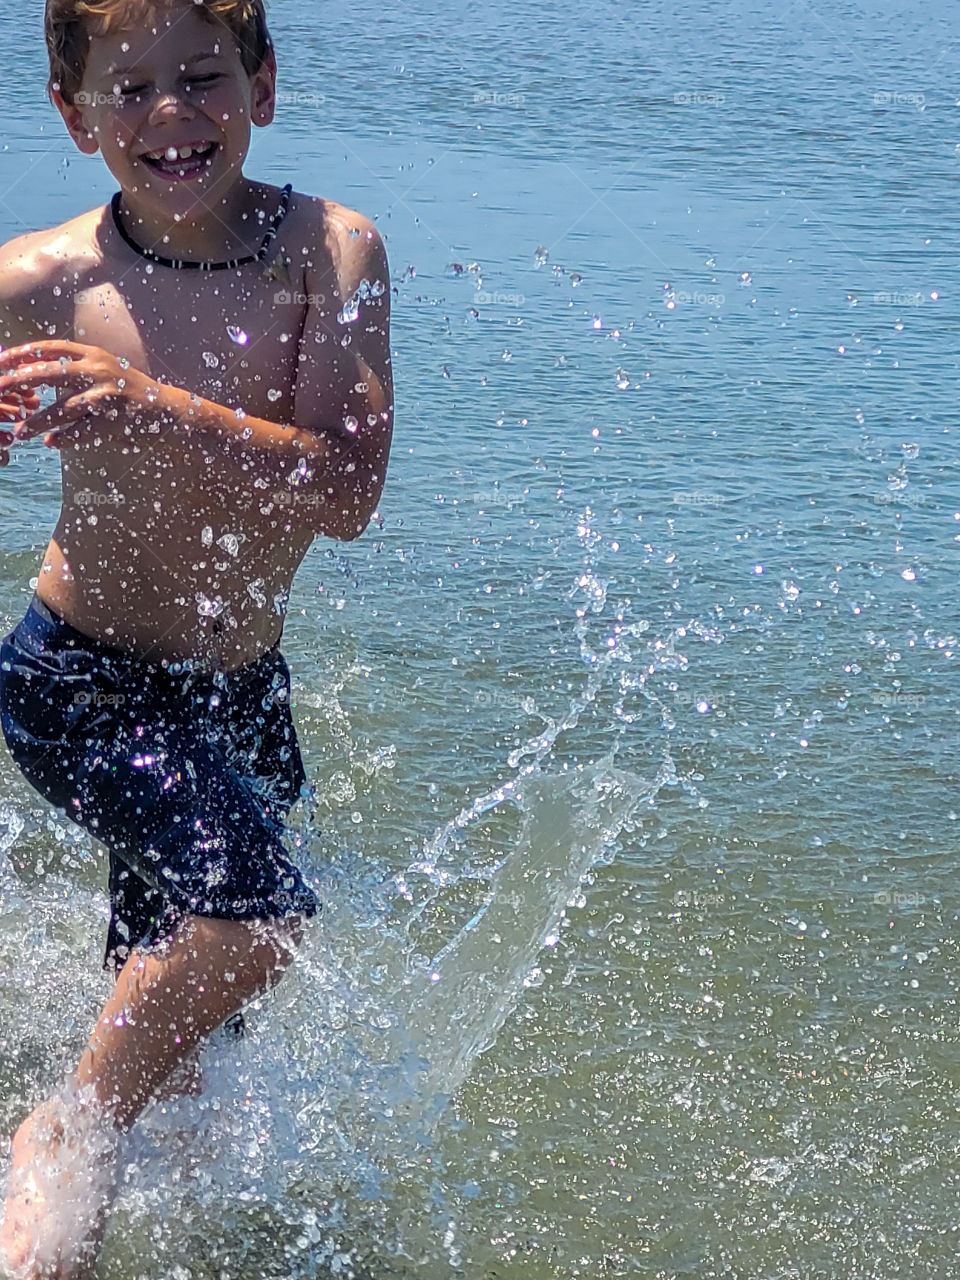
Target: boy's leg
<point>164,1003</point>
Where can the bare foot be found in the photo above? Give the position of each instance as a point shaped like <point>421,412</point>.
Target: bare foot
<point>60,1187</point>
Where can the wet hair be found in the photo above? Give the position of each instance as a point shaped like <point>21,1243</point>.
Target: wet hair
<point>69,25</point>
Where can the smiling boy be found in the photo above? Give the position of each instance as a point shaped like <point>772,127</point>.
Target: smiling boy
<point>217,410</point>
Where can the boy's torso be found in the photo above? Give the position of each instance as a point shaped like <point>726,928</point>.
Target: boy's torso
<point>162,559</point>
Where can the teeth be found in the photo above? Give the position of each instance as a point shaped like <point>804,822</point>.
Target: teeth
<point>172,154</point>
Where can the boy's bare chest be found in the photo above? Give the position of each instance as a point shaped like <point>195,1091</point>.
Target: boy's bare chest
<point>232,336</point>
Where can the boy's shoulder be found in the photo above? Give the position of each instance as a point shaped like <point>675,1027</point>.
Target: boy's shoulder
<point>351,239</point>
<point>37,266</point>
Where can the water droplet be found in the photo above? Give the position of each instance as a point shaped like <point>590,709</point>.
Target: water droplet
<point>597,322</point>
<point>575,278</point>
<point>273,395</point>
<point>210,360</point>
<point>908,575</point>
<point>351,423</point>
<point>206,536</point>
<point>350,310</point>
<point>237,335</point>
<point>453,270</point>
<point>541,254</point>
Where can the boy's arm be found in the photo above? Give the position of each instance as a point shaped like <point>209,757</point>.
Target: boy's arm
<point>18,289</point>
<point>331,464</point>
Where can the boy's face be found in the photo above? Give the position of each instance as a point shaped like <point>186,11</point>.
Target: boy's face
<point>177,81</point>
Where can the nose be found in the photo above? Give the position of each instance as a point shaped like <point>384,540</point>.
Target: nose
<point>171,106</point>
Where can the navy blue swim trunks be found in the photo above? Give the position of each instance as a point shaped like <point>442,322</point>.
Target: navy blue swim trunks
<point>186,776</point>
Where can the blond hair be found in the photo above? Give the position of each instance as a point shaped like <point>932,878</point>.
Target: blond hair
<point>69,24</point>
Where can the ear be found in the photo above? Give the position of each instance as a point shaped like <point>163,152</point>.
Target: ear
<point>73,118</point>
<point>263,96</point>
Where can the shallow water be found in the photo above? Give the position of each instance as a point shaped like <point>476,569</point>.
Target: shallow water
<point>660,623</point>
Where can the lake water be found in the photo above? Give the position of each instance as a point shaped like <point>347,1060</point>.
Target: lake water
<point>633,728</point>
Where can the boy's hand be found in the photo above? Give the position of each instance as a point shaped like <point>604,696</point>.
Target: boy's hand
<point>14,407</point>
<point>106,387</point>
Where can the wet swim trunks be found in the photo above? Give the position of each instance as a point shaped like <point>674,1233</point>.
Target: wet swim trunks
<point>186,776</point>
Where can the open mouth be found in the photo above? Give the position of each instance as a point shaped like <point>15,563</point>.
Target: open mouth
<point>180,162</point>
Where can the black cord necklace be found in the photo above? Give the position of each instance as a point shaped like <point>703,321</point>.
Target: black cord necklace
<point>181,264</point>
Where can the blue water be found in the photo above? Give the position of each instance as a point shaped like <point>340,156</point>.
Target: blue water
<point>663,604</point>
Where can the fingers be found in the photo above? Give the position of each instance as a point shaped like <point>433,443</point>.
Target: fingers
<point>17,410</point>
<point>50,373</point>
<point>48,349</point>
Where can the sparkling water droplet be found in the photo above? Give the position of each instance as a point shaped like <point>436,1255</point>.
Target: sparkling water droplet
<point>237,335</point>
<point>597,322</point>
<point>210,360</point>
<point>273,395</point>
<point>350,422</point>
<point>206,536</point>
<point>908,575</point>
<point>350,310</point>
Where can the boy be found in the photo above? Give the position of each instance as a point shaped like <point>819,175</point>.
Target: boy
<point>219,406</point>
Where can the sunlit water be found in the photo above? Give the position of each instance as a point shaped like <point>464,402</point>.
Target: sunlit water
<point>633,728</point>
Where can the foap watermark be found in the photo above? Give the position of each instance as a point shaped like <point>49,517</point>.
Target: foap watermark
<point>894,298</point>
<point>900,499</point>
<point>696,498</point>
<point>892,898</point>
<point>896,98</point>
<point>697,298</point>
<point>83,98</point>
<point>698,98</point>
<point>897,698</point>
<point>284,296</point>
<point>698,898</point>
<point>702,702</point>
<point>496,98</point>
<point>99,699</point>
<point>495,698</point>
<point>499,497</point>
<point>288,99</point>
<point>298,498</point>
<point>498,299</point>
<point>98,498</point>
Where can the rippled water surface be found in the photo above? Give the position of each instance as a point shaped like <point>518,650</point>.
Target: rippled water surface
<point>633,728</point>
